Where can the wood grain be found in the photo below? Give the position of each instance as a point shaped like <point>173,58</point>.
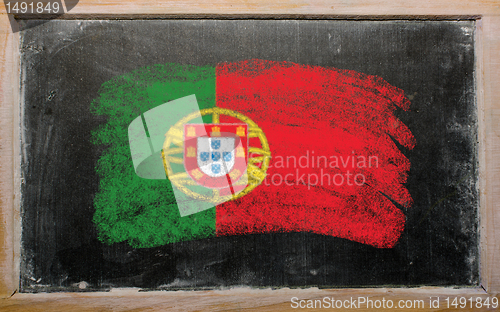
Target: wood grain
<point>8,91</point>
<point>228,300</point>
<point>299,7</point>
<point>488,77</point>
<point>490,204</point>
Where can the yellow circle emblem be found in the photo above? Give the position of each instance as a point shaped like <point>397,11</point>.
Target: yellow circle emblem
<point>173,157</point>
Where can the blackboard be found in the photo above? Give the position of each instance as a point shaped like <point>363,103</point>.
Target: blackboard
<point>66,63</point>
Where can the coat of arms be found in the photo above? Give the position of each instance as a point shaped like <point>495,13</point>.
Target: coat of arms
<point>215,155</point>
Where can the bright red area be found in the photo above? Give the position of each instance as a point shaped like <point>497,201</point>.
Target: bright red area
<point>311,111</point>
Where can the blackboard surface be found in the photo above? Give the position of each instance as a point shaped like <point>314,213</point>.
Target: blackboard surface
<point>64,64</point>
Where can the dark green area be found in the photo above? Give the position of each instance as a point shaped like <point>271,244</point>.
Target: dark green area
<point>144,212</point>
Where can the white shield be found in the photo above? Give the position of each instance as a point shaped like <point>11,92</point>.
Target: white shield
<point>215,155</point>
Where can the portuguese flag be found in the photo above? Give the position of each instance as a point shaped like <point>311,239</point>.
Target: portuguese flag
<point>334,168</point>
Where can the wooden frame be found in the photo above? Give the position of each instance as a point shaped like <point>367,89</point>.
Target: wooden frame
<point>488,78</point>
